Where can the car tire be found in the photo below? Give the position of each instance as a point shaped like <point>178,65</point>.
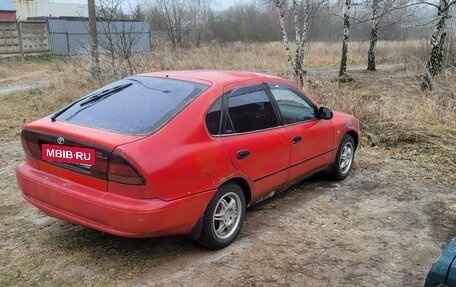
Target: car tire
<point>344,158</point>
<point>224,217</point>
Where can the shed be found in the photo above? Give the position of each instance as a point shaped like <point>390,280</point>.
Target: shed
<point>7,11</point>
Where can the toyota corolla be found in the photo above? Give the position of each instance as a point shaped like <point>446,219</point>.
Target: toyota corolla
<point>180,152</point>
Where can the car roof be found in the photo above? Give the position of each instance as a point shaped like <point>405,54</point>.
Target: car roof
<point>216,77</point>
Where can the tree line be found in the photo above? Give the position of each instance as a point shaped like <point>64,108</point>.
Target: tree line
<point>187,23</point>
<point>190,21</point>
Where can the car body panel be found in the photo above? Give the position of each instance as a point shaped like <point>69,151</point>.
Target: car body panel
<point>84,134</point>
<point>316,149</point>
<point>111,213</point>
<point>266,171</point>
<point>344,123</point>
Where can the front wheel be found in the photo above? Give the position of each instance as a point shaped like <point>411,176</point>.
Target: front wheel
<point>344,158</point>
<point>223,217</point>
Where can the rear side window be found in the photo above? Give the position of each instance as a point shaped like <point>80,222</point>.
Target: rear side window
<point>142,107</point>
<point>213,117</point>
<point>250,111</point>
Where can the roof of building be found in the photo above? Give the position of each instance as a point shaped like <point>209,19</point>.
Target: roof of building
<point>7,5</point>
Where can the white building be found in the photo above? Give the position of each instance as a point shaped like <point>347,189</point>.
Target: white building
<point>45,8</point>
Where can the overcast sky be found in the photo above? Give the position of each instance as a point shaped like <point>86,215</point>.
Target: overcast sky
<point>216,4</point>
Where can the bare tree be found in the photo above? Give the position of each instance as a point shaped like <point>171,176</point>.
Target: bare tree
<point>109,10</point>
<point>128,38</point>
<point>138,13</point>
<point>245,22</point>
<point>199,10</point>
<point>435,62</point>
<point>346,15</point>
<point>95,66</point>
<point>173,16</point>
<point>119,36</point>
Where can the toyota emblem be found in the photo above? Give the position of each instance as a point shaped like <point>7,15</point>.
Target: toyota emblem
<point>60,140</point>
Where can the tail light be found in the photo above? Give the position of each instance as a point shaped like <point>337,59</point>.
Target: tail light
<point>121,171</point>
<point>30,158</point>
<point>25,145</point>
<point>109,165</point>
<point>30,144</point>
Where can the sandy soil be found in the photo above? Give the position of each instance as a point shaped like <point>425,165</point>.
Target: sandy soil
<point>382,226</point>
<point>32,81</point>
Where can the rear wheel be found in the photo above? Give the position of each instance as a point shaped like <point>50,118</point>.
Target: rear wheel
<point>344,158</point>
<point>223,217</point>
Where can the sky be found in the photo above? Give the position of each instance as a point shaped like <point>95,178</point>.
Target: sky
<point>217,4</point>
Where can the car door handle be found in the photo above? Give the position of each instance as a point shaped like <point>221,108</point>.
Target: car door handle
<point>242,154</point>
<point>297,139</point>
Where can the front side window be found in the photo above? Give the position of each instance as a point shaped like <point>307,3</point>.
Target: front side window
<point>249,110</point>
<point>291,105</point>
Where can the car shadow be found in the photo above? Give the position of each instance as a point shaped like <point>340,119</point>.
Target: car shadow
<point>93,245</point>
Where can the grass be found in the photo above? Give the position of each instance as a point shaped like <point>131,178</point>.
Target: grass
<point>260,57</point>
<point>395,114</point>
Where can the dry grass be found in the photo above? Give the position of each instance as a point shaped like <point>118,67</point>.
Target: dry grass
<point>394,112</point>
<point>15,69</point>
<point>271,56</point>
<point>265,57</point>
<point>66,83</point>
<point>328,54</point>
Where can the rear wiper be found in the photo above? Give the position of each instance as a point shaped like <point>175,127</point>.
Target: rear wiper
<point>105,93</point>
<point>92,98</point>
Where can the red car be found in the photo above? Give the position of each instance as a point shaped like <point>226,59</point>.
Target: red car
<point>180,152</point>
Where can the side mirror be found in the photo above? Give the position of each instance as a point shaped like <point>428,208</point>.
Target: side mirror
<point>325,113</point>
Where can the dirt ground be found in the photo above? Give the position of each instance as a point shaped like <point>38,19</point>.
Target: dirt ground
<point>382,226</point>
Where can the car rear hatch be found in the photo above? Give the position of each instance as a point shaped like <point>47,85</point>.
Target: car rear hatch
<point>119,113</point>
<point>109,165</point>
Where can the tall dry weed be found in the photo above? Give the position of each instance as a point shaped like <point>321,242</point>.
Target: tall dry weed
<point>393,110</point>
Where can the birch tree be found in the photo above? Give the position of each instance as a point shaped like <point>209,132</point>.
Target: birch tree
<point>297,64</point>
<point>343,60</point>
<point>373,35</point>
<point>435,61</point>
<point>281,6</point>
<point>300,38</point>
<point>386,13</point>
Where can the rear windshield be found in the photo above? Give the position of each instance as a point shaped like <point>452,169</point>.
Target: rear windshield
<point>141,106</point>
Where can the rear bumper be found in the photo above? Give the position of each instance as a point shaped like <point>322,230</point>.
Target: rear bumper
<point>107,212</point>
